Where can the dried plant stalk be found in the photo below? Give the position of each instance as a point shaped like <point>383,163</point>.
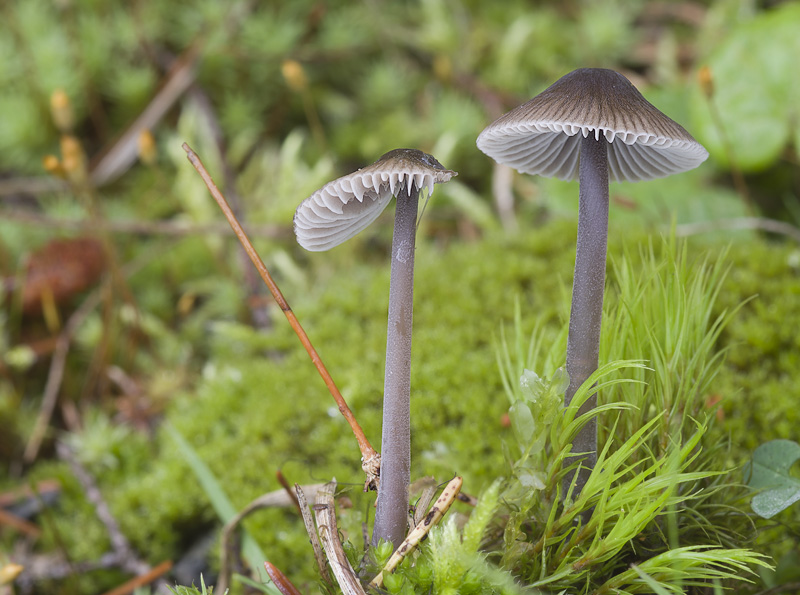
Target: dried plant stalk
<point>274,499</point>
<point>325,512</point>
<point>440,507</point>
<point>312,534</point>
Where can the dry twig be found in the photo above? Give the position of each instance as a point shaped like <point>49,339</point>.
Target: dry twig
<point>288,489</point>
<point>124,151</point>
<point>370,459</point>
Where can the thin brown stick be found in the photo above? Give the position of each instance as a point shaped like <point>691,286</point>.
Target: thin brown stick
<point>285,485</point>
<point>42,487</point>
<point>312,535</point>
<point>11,520</point>
<point>141,580</point>
<point>167,228</point>
<point>55,375</point>
<point>370,459</point>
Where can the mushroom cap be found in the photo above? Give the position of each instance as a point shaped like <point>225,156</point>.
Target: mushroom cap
<point>342,208</point>
<point>541,136</point>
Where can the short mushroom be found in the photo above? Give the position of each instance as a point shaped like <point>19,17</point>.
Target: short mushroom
<point>592,124</point>
<point>337,212</point>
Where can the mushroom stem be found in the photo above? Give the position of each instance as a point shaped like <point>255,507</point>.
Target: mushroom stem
<point>583,343</point>
<point>391,516</point>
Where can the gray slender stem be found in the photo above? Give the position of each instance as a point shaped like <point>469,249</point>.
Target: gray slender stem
<point>583,343</point>
<point>391,517</point>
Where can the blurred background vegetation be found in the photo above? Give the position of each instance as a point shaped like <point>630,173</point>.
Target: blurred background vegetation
<point>126,301</point>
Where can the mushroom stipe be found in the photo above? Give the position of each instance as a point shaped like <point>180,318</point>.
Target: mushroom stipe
<point>338,211</point>
<point>592,124</point>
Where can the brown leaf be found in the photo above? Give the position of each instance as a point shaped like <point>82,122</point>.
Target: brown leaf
<point>62,268</point>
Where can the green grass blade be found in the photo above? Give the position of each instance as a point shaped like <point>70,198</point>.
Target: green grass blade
<point>219,499</point>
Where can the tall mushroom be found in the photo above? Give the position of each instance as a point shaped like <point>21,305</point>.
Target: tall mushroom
<point>592,124</point>
<point>337,212</point>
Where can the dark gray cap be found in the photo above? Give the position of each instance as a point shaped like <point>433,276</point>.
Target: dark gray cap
<point>541,136</point>
<point>342,208</point>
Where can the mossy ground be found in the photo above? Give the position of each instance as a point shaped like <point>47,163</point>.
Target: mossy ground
<point>260,406</point>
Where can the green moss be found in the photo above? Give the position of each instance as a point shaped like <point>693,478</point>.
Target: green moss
<point>261,406</point>
<point>763,365</point>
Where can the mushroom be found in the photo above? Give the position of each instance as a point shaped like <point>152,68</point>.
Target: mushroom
<point>337,212</point>
<point>592,124</point>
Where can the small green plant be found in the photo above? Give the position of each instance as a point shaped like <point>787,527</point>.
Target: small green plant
<point>542,137</point>
<point>750,115</point>
<point>452,561</point>
<point>203,590</point>
<point>769,473</point>
<point>659,496</point>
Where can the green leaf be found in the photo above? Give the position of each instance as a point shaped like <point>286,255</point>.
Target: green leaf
<point>219,499</point>
<point>522,422</point>
<point>755,100</point>
<point>769,471</point>
<point>657,587</point>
